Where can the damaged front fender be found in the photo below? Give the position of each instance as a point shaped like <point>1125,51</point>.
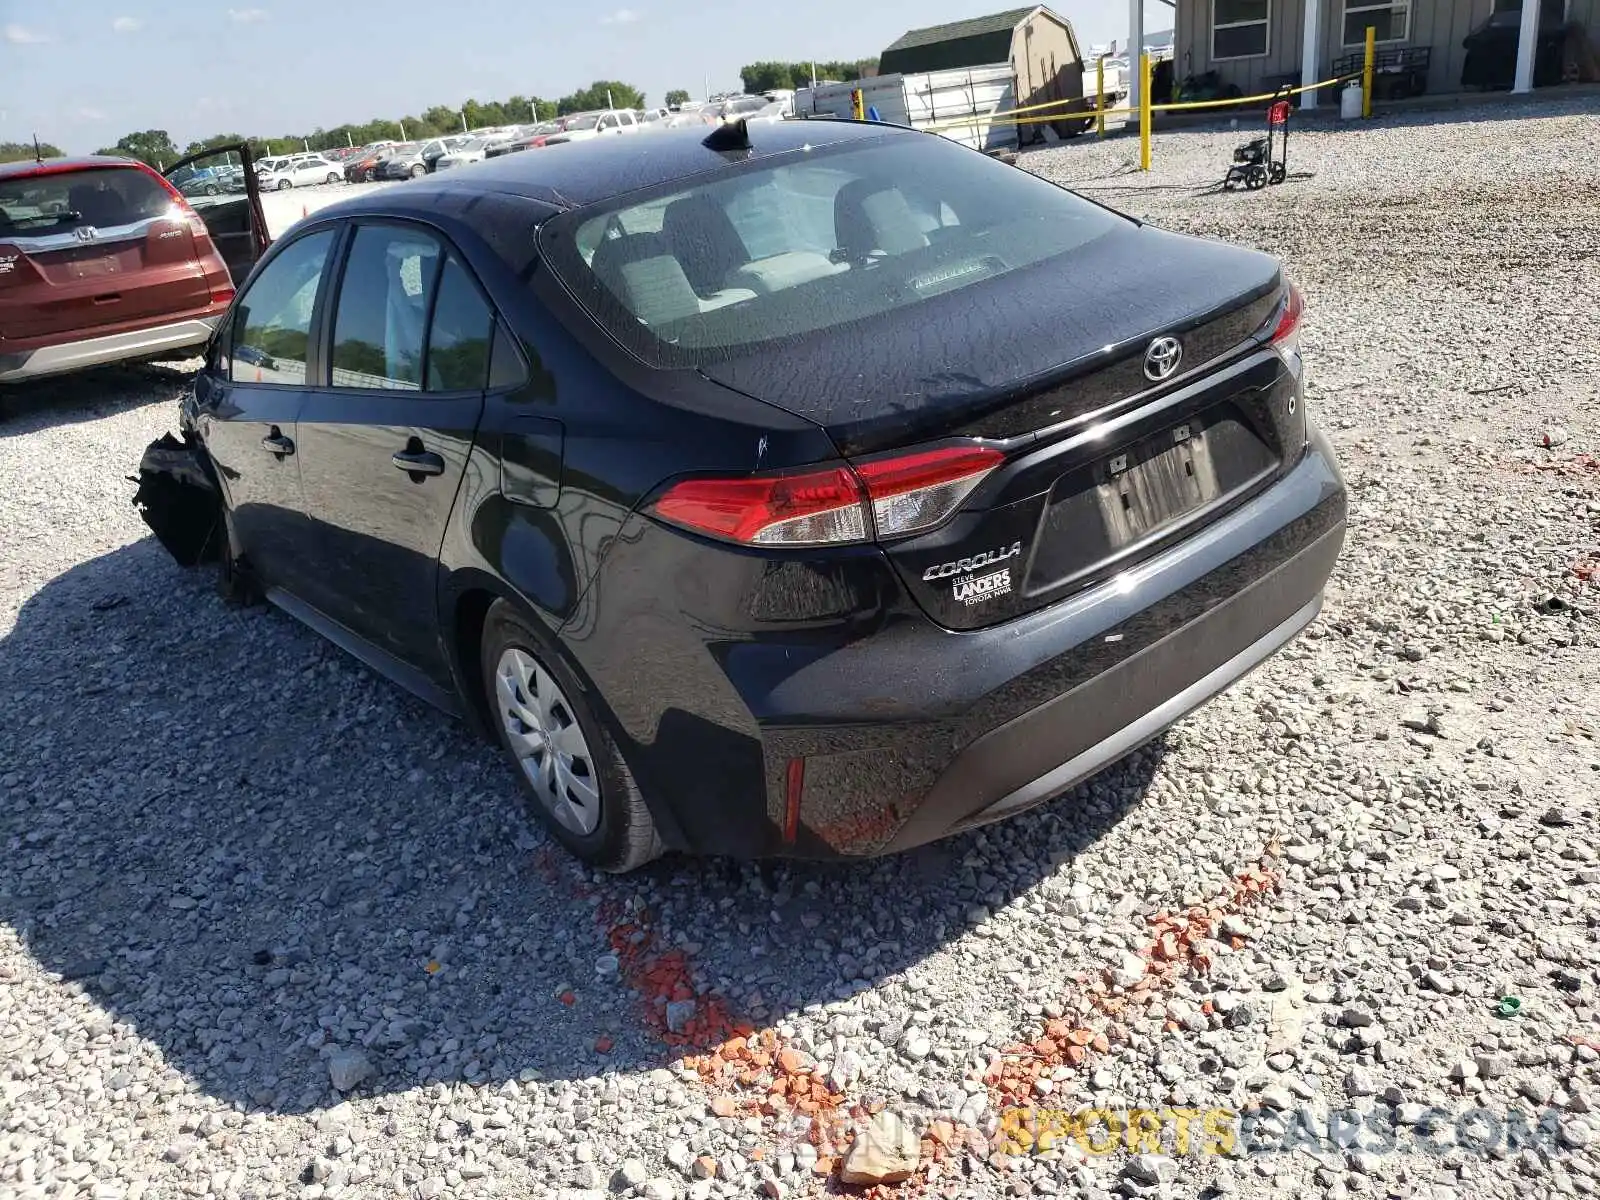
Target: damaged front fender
<point>179,499</point>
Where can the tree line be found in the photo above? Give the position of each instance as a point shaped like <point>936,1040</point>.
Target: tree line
<point>766,76</point>
<point>21,151</point>
<point>156,147</point>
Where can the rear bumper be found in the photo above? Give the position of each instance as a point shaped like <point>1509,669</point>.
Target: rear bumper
<point>906,731</point>
<point>108,348</point>
<point>1045,752</point>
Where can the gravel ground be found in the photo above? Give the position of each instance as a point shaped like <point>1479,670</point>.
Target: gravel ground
<point>269,927</point>
<point>284,208</point>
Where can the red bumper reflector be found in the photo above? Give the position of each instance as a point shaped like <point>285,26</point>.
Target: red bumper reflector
<point>793,784</point>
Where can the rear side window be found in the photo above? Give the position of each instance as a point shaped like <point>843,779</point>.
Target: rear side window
<point>378,329</point>
<point>99,198</point>
<point>798,244</point>
<point>272,325</point>
<point>459,338</point>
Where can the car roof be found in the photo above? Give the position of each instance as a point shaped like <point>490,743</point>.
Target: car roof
<point>51,166</point>
<point>582,173</point>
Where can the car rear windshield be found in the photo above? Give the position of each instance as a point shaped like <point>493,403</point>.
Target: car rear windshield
<point>61,201</point>
<point>810,240</point>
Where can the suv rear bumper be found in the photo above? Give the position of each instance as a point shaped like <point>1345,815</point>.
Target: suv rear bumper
<point>109,348</point>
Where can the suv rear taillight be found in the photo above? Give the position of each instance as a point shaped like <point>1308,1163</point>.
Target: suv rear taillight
<point>884,497</point>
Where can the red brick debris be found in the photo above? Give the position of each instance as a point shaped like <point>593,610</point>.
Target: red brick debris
<point>1176,946</point>
<point>750,1072</point>
<point>1582,466</point>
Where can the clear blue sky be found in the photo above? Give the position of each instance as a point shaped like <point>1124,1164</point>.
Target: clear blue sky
<point>84,72</point>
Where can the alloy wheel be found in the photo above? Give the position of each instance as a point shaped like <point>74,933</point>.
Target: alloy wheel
<point>547,741</point>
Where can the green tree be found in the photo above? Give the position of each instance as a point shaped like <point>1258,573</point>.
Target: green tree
<point>622,95</point>
<point>443,117</point>
<point>153,147</point>
<point>765,76</point>
<point>676,97</point>
<point>19,151</point>
<point>216,139</point>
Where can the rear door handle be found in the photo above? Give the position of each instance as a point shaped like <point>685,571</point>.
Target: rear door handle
<point>419,462</point>
<point>277,443</point>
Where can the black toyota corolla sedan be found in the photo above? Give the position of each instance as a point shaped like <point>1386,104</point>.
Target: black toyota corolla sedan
<point>816,490</point>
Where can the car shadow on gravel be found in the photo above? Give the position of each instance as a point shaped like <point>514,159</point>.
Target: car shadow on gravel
<point>256,853</point>
<point>89,395</point>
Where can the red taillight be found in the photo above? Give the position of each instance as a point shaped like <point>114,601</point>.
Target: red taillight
<point>816,507</point>
<point>222,295</point>
<point>911,492</point>
<point>1286,328</point>
<point>891,496</point>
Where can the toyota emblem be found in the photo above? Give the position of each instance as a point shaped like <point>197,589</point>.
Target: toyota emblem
<point>1162,358</point>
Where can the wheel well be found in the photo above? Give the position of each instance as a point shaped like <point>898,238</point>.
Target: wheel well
<point>471,609</point>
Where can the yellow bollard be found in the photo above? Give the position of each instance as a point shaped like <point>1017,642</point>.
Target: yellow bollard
<point>1366,71</point>
<point>1144,111</point>
<point>858,108</point>
<point>1100,96</point>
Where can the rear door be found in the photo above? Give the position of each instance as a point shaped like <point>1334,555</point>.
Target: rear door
<point>229,202</point>
<point>248,399</point>
<point>385,440</point>
<point>90,249</point>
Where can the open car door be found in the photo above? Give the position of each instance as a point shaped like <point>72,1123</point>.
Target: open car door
<point>220,184</point>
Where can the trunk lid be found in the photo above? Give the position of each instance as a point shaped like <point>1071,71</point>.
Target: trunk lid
<point>1104,466</point>
<point>93,247</point>
<point>1037,347</point>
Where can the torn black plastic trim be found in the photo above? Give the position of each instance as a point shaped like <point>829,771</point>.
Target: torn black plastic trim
<point>179,499</point>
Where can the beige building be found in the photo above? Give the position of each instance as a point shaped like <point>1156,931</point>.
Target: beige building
<point>1039,45</point>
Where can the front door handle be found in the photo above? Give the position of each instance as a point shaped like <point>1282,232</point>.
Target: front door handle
<point>419,462</point>
<point>277,443</point>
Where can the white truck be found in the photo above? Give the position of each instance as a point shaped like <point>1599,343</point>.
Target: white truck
<point>965,104</point>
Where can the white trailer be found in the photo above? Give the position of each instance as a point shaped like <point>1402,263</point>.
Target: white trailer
<point>973,96</point>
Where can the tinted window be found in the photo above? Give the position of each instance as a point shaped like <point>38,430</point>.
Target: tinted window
<point>774,250</point>
<point>506,368</point>
<point>383,308</point>
<point>40,205</point>
<point>272,327</point>
<point>458,340</point>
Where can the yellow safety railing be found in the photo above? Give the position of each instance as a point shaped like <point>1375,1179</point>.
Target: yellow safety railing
<point>1009,117</point>
<point>1147,110</point>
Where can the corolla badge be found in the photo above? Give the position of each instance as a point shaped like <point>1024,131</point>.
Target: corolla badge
<point>1162,358</point>
<point>987,559</point>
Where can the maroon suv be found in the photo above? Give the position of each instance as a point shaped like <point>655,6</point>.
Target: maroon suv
<point>103,260</point>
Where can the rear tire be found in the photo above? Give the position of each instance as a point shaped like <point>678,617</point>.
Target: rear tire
<point>332,178</point>
<point>284,185</point>
<point>573,777</point>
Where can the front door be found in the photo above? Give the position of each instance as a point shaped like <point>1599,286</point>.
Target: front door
<point>385,440</point>
<point>247,402</point>
<point>221,185</point>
